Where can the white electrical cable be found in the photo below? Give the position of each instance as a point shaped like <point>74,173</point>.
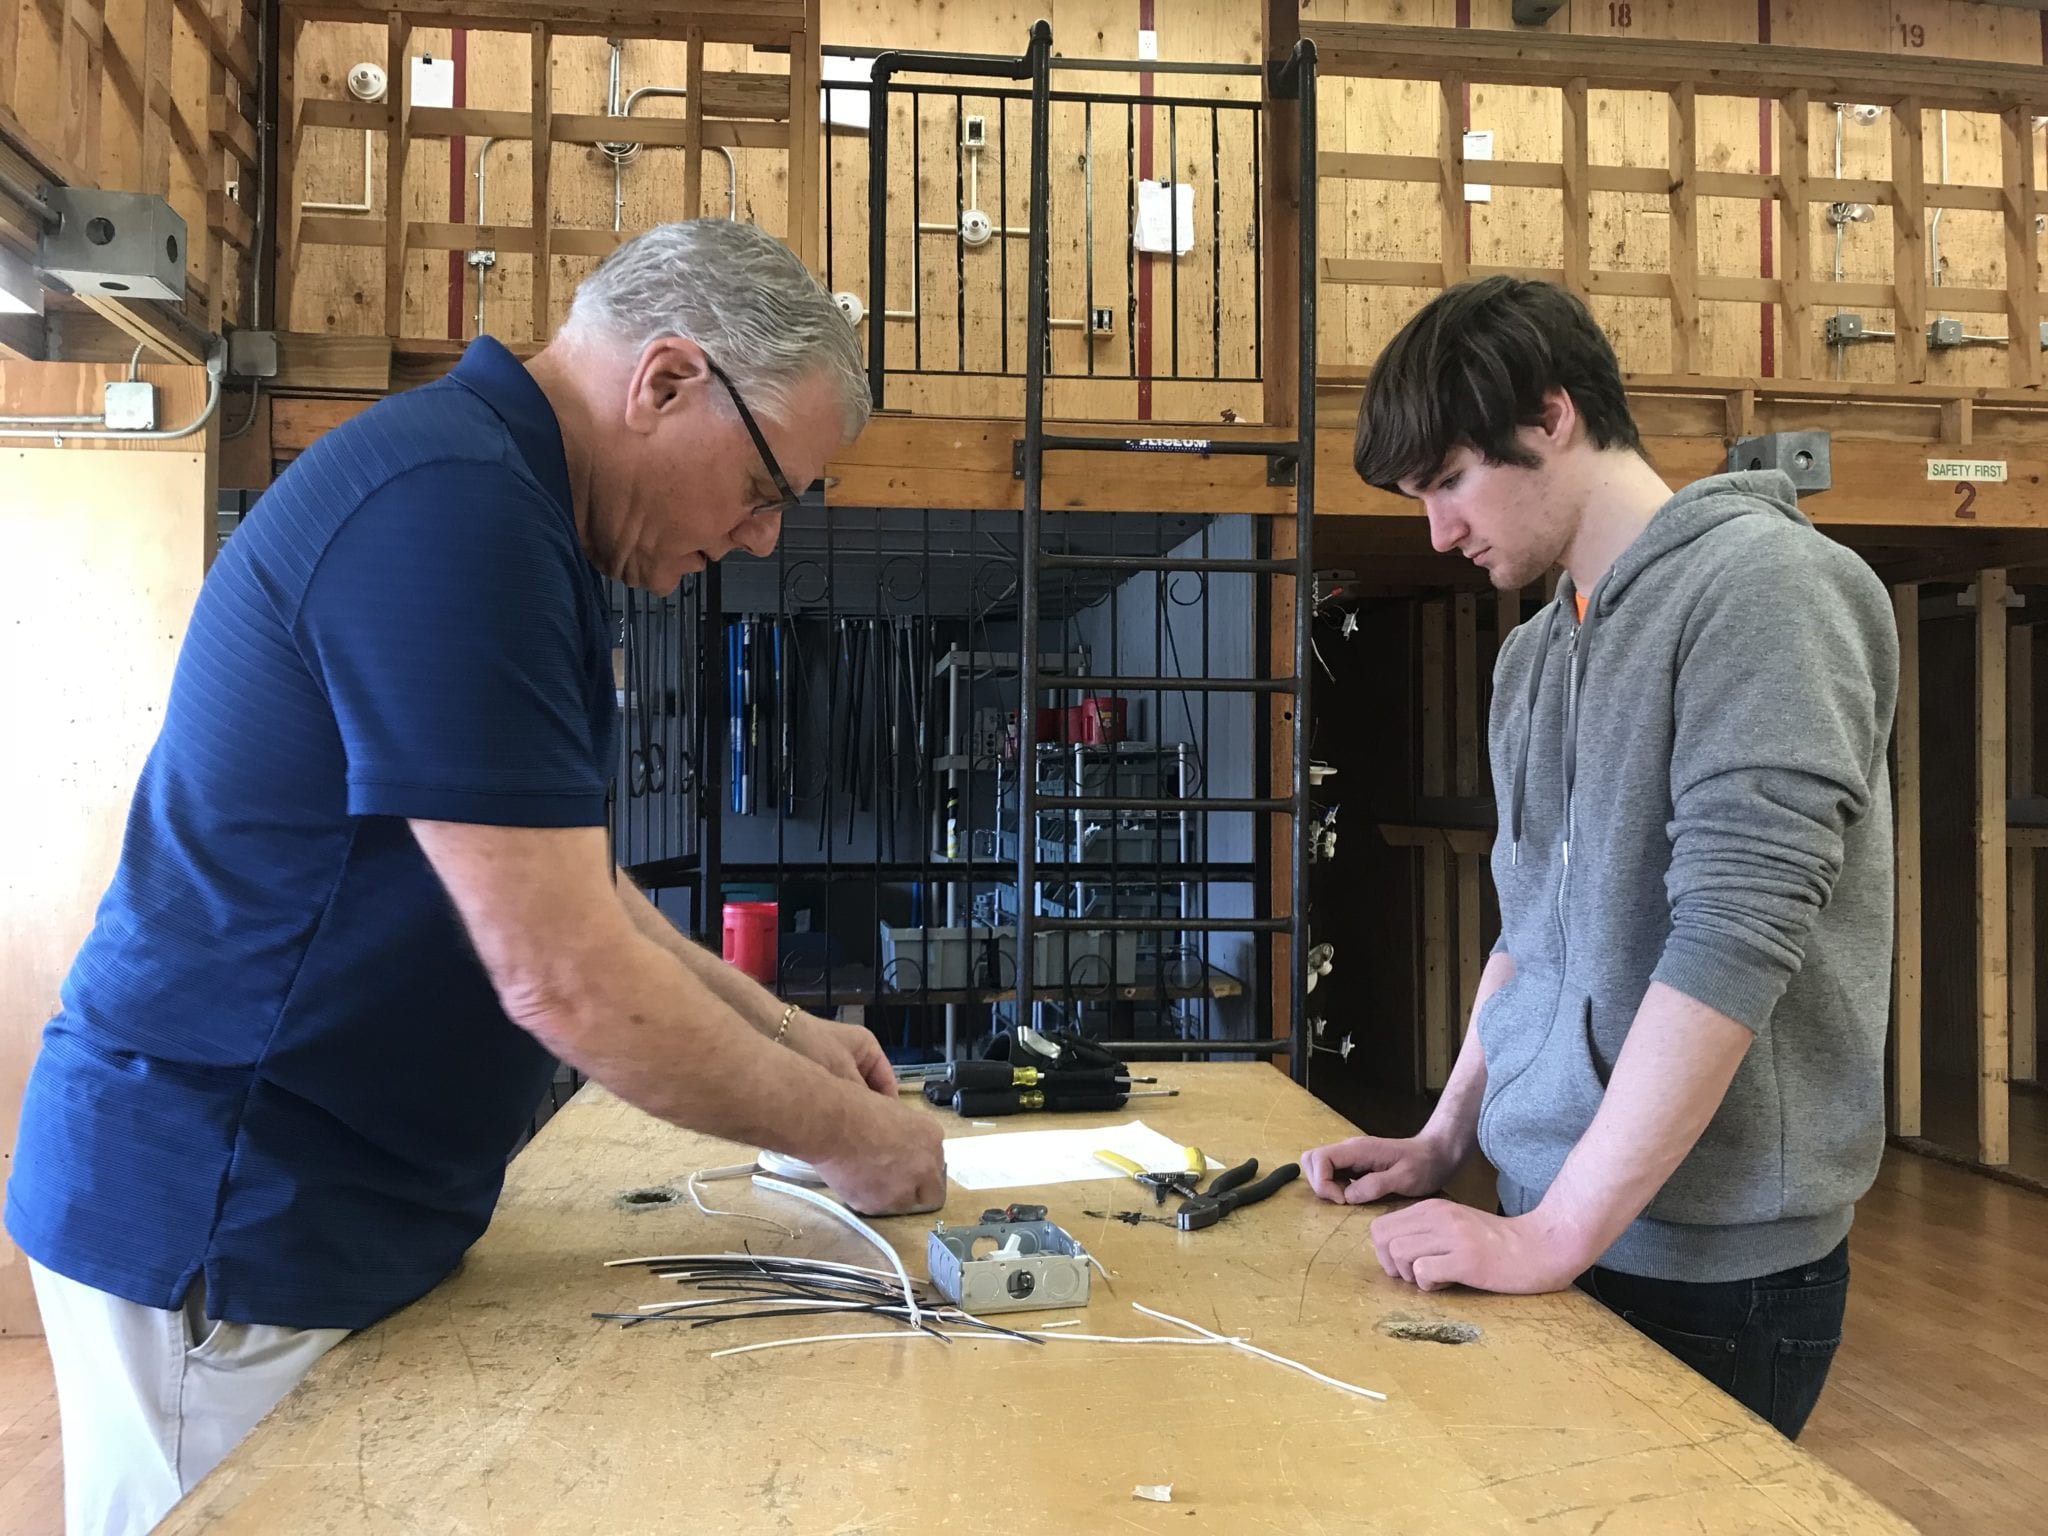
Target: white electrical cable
<point>840,1213</point>
<point>1263,1354</point>
<point>977,1333</point>
<point>698,1200</point>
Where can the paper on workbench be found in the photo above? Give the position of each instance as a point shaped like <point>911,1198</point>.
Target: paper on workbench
<point>1019,1159</point>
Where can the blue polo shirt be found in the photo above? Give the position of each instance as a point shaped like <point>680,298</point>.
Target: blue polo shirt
<point>278,1063</point>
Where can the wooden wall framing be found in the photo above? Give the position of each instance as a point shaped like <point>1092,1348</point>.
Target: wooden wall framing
<point>1788,87</point>
<point>405,151</point>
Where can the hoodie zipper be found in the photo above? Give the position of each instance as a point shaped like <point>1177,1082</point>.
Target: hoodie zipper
<point>1571,727</point>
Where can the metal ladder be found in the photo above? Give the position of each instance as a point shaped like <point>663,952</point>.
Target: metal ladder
<point>1293,457</point>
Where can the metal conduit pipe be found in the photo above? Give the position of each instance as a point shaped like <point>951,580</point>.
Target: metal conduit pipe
<point>673,92</point>
<point>26,426</point>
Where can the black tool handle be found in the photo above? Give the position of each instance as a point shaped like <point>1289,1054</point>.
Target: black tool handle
<point>1207,1209</point>
<point>1230,1178</point>
<point>977,1075</point>
<point>988,1102</point>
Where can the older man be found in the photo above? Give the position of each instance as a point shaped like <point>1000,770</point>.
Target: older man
<point>365,898</point>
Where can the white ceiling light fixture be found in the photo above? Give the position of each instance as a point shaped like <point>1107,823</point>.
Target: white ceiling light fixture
<point>21,292</point>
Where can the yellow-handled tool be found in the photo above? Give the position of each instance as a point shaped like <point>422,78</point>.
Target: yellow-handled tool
<point>1162,1184</point>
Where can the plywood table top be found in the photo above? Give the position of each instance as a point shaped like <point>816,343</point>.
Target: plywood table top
<point>496,1403</point>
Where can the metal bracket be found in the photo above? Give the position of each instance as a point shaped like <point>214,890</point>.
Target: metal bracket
<point>1534,13</point>
<point>1280,468</point>
<point>1804,456</point>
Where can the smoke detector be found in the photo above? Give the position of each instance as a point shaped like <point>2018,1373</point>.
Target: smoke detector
<point>366,81</point>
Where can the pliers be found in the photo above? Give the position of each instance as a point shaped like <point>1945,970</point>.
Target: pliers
<point>1163,1184</point>
<point>1231,1189</point>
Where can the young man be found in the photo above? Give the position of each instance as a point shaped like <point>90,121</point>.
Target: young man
<point>1675,1058</point>
<point>365,898</point>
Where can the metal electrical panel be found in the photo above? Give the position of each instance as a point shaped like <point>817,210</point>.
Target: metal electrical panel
<point>123,243</point>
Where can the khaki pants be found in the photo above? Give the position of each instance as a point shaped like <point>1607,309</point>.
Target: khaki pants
<point>150,1400</point>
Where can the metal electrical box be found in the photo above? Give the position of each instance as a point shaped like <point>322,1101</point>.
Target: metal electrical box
<point>124,243</point>
<point>1803,456</point>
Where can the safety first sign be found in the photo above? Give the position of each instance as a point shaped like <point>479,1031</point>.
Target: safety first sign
<point>1979,471</point>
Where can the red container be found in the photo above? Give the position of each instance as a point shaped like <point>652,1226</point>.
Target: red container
<point>750,928</point>
<point>1048,721</point>
<point>1097,721</point>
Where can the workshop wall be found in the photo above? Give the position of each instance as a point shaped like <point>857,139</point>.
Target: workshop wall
<point>102,549</point>
<point>964,292</point>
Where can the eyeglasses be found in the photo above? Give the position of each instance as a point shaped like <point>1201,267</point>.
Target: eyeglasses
<point>788,500</point>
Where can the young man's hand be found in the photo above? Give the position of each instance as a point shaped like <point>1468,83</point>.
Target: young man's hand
<point>1441,1242</point>
<point>845,1050</point>
<point>1367,1168</point>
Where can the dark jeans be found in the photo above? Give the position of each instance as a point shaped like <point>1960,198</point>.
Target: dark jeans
<point>1766,1342</point>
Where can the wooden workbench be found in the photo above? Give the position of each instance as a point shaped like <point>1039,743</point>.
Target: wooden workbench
<point>496,1404</point>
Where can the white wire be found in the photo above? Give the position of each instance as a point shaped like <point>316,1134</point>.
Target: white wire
<point>698,1200</point>
<point>1263,1354</point>
<point>971,1333</point>
<point>840,1213</point>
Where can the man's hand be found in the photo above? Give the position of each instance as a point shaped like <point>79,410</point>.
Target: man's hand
<point>1368,1168</point>
<point>845,1050</point>
<point>1440,1243</point>
<point>897,1167</point>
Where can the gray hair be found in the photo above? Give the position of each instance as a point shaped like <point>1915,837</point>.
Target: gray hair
<point>740,294</point>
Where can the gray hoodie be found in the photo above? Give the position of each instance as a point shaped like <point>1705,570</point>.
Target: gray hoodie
<point>1693,790</point>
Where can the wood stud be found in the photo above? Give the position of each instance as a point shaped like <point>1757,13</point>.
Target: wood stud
<point>693,126</point>
<point>398,153</point>
<point>541,132</point>
<point>1993,1019</point>
<point>1451,179</point>
<point>1906,948</point>
<point>1682,164</point>
<point>2021,196</point>
<point>1909,240</point>
<point>1437,1032</point>
<point>2022,915</point>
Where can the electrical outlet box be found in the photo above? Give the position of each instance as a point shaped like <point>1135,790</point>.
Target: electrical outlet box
<point>130,407</point>
<point>1840,328</point>
<point>973,132</point>
<point>1944,333</point>
<point>1102,321</point>
<point>1803,455</point>
<point>125,243</point>
<point>252,354</point>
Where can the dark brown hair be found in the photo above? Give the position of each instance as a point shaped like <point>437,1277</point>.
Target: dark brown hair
<point>1472,366</point>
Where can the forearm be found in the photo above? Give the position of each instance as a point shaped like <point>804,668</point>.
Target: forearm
<point>738,991</point>
<point>1668,1081</point>
<point>655,1035</point>
<point>1455,1122</point>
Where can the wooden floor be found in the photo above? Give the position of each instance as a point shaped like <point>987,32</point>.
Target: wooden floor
<point>1938,1404</point>
<point>31,1476</point>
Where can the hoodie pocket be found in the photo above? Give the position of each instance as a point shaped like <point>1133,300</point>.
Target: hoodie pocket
<point>1537,1113</point>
